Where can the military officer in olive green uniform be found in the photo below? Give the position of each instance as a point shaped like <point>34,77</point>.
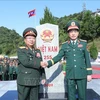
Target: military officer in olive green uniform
<point>78,70</point>
<point>1,70</point>
<point>30,72</point>
<point>10,71</point>
<point>15,71</point>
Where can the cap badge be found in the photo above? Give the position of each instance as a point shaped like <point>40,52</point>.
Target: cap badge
<point>30,31</point>
<point>73,24</point>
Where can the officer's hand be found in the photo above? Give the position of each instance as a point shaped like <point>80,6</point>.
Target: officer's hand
<point>44,64</point>
<point>89,78</point>
<point>64,72</point>
<point>43,81</point>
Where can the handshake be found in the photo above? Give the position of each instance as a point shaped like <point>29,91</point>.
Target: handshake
<point>43,64</point>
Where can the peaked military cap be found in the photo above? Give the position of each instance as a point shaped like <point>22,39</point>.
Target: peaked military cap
<point>29,32</point>
<point>72,25</point>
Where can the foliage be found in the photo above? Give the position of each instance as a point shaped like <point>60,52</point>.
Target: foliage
<point>0,50</point>
<point>9,40</point>
<point>93,51</point>
<point>90,30</point>
<point>88,26</point>
<point>48,17</point>
<point>98,23</point>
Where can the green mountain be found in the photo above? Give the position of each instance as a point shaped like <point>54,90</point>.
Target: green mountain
<point>9,41</point>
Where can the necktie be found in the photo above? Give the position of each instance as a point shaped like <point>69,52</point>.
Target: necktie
<point>73,43</point>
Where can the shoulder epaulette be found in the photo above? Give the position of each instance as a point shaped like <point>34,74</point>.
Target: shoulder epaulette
<point>22,47</point>
<point>64,42</point>
<point>83,40</point>
<point>37,48</point>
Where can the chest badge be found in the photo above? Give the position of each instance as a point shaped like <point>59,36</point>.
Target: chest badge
<point>80,45</point>
<point>38,55</point>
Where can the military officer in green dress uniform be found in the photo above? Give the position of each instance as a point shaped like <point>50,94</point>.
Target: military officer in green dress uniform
<point>5,71</point>
<point>0,70</point>
<point>30,72</point>
<point>78,70</point>
<point>15,70</point>
<point>10,71</point>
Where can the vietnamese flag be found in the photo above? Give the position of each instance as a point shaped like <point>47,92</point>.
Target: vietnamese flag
<point>31,13</point>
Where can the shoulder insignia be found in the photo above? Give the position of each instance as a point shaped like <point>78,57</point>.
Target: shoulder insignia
<point>38,49</point>
<point>83,40</point>
<point>22,47</point>
<point>64,42</point>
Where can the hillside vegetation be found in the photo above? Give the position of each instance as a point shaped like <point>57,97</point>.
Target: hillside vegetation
<point>9,41</point>
<point>97,43</point>
<point>90,30</point>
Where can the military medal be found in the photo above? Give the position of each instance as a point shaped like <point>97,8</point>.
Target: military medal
<point>38,55</point>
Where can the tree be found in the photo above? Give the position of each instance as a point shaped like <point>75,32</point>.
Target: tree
<point>88,26</point>
<point>48,17</point>
<point>0,51</point>
<point>93,51</point>
<point>98,25</point>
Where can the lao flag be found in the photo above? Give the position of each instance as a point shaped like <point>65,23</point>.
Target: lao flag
<point>31,13</point>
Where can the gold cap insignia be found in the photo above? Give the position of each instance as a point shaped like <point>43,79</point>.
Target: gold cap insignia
<point>73,24</point>
<point>31,32</point>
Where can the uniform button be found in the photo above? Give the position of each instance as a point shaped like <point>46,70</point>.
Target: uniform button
<point>26,72</point>
<point>74,60</point>
<point>74,55</point>
<point>75,66</point>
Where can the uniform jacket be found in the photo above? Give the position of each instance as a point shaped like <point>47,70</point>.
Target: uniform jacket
<point>29,69</point>
<point>10,69</point>
<point>0,69</point>
<point>77,58</point>
<point>15,70</point>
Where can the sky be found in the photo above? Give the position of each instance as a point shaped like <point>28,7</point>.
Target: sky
<point>14,13</point>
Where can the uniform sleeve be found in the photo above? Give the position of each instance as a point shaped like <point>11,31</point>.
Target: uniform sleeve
<point>57,58</point>
<point>26,61</point>
<point>87,61</point>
